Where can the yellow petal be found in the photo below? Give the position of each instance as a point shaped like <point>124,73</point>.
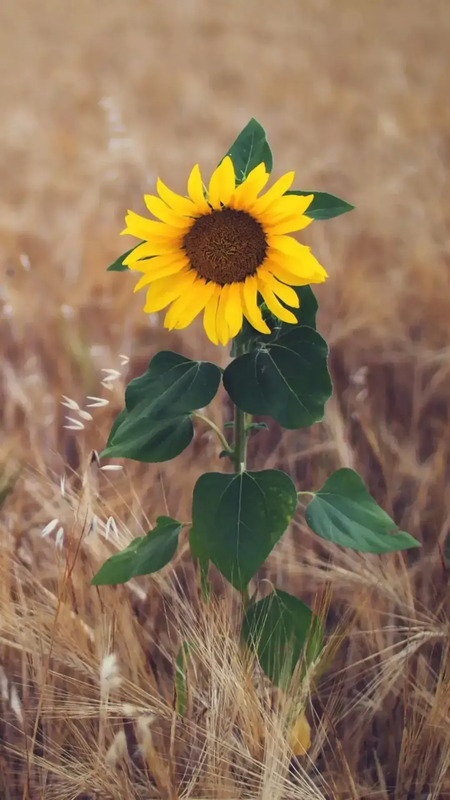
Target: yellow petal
<point>286,245</point>
<point>159,245</point>
<point>184,310</point>
<point>250,301</point>
<point>290,205</point>
<point>287,225</point>
<point>149,276</point>
<point>154,248</point>
<point>288,277</point>
<point>195,191</point>
<point>146,250</point>
<point>296,258</point>
<point>223,330</point>
<point>165,290</point>
<point>144,228</point>
<point>154,263</point>
<point>300,736</point>
<point>274,193</point>
<point>246,193</point>
<point>159,209</point>
<point>233,309</point>
<point>182,205</point>
<point>274,305</point>
<point>285,293</point>
<point>143,250</point>
<point>222,183</point>
<point>210,315</point>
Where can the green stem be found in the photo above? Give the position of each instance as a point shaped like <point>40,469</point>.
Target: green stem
<point>240,440</point>
<point>240,433</point>
<point>239,456</point>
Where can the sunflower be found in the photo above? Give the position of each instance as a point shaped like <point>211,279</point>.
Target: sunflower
<point>217,251</point>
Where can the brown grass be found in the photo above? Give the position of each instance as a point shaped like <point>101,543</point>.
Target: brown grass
<point>98,98</point>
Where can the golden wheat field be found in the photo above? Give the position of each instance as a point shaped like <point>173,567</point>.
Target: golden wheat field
<point>98,99</point>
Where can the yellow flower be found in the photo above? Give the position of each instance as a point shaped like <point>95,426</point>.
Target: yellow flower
<point>217,253</point>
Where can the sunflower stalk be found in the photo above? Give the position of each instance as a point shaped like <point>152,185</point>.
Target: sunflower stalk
<point>226,251</point>
<point>240,430</point>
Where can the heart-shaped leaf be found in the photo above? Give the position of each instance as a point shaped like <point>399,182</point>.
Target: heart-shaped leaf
<point>281,628</point>
<point>344,512</point>
<point>156,423</point>
<point>286,379</point>
<point>145,438</point>
<point>144,555</point>
<point>237,519</point>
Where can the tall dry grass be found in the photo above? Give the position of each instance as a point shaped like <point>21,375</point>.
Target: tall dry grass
<point>98,98</point>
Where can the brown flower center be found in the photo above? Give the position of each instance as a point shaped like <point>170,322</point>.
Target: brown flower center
<point>226,246</point>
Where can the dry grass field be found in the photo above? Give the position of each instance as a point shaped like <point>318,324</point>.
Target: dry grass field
<point>98,98</point>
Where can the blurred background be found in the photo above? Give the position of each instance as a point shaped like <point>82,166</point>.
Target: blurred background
<point>100,98</point>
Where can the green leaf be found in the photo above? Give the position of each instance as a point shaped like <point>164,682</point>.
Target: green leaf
<point>324,205</point>
<point>286,379</point>
<point>121,416</point>
<point>156,423</point>
<point>250,149</point>
<point>173,383</point>
<point>306,314</point>
<point>144,555</point>
<point>148,439</point>
<point>118,265</point>
<point>237,519</point>
<point>344,512</point>
<point>281,629</point>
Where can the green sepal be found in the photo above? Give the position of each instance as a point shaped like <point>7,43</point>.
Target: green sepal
<point>144,555</point>
<point>281,629</point>
<point>237,519</point>
<point>324,205</point>
<point>250,149</point>
<point>344,512</point>
<point>156,423</point>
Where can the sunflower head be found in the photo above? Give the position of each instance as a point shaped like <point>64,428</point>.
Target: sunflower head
<point>217,251</point>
